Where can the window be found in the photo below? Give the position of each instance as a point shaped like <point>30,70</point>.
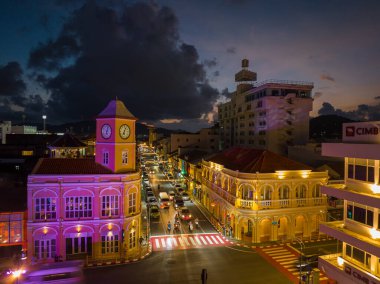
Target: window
<point>45,248</point>
<point>105,158</point>
<point>360,214</point>
<point>78,207</point>
<point>79,245</point>
<point>259,104</point>
<point>124,157</point>
<point>27,153</point>
<point>283,192</point>
<point>110,243</point>
<point>45,208</point>
<point>361,169</point>
<point>110,205</point>
<point>301,191</point>
<point>132,203</point>
<point>132,239</point>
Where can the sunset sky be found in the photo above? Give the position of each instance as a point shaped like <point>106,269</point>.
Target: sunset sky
<point>172,61</point>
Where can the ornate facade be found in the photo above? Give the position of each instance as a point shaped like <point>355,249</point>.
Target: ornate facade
<point>270,198</point>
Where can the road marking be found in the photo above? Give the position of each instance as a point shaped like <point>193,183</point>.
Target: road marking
<point>209,240</point>
<point>278,253</point>
<point>198,241</point>
<point>203,240</point>
<point>186,241</point>
<point>181,241</point>
<point>282,256</point>
<point>215,241</point>
<point>157,243</point>
<point>163,243</point>
<point>221,241</point>
<point>169,242</point>
<point>192,241</point>
<point>175,242</point>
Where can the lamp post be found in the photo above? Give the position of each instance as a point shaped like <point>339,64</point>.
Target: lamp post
<point>44,119</point>
<point>302,246</point>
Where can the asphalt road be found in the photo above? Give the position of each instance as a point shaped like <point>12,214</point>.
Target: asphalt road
<point>223,264</point>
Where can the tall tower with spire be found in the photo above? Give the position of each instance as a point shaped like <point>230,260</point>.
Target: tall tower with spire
<point>115,138</point>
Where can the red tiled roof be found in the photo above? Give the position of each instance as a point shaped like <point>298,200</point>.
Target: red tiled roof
<point>67,141</point>
<point>255,160</point>
<point>57,166</point>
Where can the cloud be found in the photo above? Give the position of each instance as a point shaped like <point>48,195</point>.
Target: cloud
<point>231,50</point>
<point>377,97</point>
<point>362,112</point>
<point>327,78</point>
<point>216,73</point>
<point>210,63</point>
<point>317,95</point>
<point>135,54</point>
<point>11,82</point>
<point>170,121</point>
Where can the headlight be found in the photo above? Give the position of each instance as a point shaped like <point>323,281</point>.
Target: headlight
<point>183,216</point>
<point>190,215</point>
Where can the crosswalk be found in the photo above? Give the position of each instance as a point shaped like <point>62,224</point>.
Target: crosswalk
<point>287,259</point>
<point>187,241</point>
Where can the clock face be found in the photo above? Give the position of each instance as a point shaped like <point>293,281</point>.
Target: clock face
<point>124,131</point>
<point>106,131</point>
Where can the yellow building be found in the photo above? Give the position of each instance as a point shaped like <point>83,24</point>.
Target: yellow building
<point>260,196</point>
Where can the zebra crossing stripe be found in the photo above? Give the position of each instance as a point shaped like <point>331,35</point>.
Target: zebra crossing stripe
<point>163,243</point>
<point>287,262</point>
<point>157,243</point>
<point>272,249</point>
<point>192,241</point>
<point>175,242</point>
<point>169,242</point>
<point>215,241</point>
<point>220,240</point>
<point>198,241</point>
<point>283,256</point>
<point>279,253</point>
<point>181,241</point>
<point>209,240</point>
<point>203,240</point>
<point>186,241</point>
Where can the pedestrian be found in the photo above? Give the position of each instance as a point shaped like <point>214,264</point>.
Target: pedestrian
<point>231,232</point>
<point>224,230</point>
<point>158,186</point>
<point>169,227</point>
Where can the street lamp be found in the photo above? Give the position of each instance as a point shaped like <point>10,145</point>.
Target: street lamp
<point>44,119</point>
<point>302,246</point>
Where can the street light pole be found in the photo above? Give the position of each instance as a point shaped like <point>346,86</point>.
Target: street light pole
<point>299,241</point>
<point>44,119</point>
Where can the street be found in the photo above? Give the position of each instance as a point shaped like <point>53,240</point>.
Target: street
<point>223,264</point>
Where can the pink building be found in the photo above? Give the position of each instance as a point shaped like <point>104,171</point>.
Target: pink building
<point>82,207</point>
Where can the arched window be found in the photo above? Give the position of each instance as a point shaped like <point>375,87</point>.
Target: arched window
<point>246,192</point>
<point>317,190</point>
<point>301,191</point>
<point>283,192</point>
<point>266,192</point>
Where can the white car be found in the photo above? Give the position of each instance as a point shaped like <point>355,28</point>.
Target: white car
<point>185,196</point>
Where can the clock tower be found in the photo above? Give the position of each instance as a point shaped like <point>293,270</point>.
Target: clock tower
<point>115,138</point>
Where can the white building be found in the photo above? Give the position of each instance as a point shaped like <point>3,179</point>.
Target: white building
<point>207,139</point>
<point>24,129</point>
<point>5,128</point>
<point>359,231</point>
<point>269,115</point>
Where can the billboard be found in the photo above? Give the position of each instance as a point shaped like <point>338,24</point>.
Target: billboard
<point>364,132</point>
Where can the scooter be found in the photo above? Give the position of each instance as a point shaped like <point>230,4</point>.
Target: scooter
<point>196,223</point>
<point>191,227</point>
<point>177,226</point>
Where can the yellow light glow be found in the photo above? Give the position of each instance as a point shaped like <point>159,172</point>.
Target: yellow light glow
<point>375,233</point>
<point>45,230</point>
<point>109,226</point>
<point>375,188</point>
<point>78,228</point>
<point>340,261</point>
<point>280,174</point>
<point>305,174</point>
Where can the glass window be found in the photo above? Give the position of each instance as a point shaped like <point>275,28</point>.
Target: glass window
<point>349,211</point>
<point>110,243</point>
<point>359,214</point>
<point>78,207</point>
<point>110,205</point>
<point>105,158</point>
<point>369,221</point>
<point>132,239</point>
<point>132,203</point>
<point>358,254</point>
<point>79,245</point>
<point>124,157</point>
<point>350,171</point>
<point>45,208</point>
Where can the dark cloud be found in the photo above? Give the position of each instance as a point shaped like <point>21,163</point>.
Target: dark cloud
<point>210,63</point>
<point>361,113</point>
<point>327,77</point>
<point>377,98</point>
<point>11,82</point>
<point>231,50</point>
<point>216,73</point>
<point>135,54</point>
<point>44,21</point>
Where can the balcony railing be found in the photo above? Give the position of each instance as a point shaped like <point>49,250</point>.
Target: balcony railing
<point>265,204</point>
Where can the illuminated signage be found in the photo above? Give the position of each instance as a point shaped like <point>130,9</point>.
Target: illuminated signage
<point>360,276</point>
<point>362,132</point>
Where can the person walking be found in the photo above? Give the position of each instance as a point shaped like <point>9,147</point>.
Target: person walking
<point>169,227</point>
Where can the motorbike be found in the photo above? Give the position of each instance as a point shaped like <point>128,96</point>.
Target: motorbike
<point>176,226</point>
<point>196,223</point>
<point>191,227</point>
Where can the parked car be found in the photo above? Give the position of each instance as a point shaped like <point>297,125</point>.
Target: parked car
<point>164,200</point>
<point>185,214</point>
<point>154,211</point>
<point>185,196</point>
<point>178,202</point>
<point>152,200</point>
<point>149,194</point>
<point>180,190</point>
<point>307,261</point>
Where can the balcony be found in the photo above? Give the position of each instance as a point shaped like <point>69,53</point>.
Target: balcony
<point>264,204</point>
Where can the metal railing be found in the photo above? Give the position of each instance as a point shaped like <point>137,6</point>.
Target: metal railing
<point>285,82</point>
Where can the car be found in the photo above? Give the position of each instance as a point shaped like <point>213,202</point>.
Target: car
<point>152,200</point>
<point>307,261</point>
<point>164,200</point>
<point>185,214</point>
<point>178,202</point>
<point>185,196</point>
<point>171,195</point>
<point>149,194</point>
<point>146,179</point>
<point>148,188</point>
<point>180,190</point>
<point>170,176</point>
<point>154,211</point>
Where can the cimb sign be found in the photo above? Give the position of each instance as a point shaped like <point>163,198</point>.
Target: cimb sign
<point>359,276</point>
<point>362,132</point>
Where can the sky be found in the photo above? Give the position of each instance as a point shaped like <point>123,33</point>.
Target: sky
<point>172,61</point>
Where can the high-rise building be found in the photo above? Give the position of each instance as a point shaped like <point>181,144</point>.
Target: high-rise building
<point>85,207</point>
<point>268,115</point>
<point>359,232</point>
